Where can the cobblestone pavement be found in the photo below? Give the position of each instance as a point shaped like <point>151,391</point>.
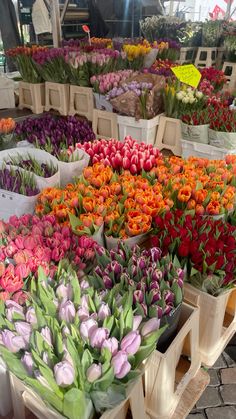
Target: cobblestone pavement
<point>219,399</point>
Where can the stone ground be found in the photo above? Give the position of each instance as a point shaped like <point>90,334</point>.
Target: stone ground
<point>219,399</point>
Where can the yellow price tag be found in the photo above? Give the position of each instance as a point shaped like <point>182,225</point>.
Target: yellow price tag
<point>188,74</point>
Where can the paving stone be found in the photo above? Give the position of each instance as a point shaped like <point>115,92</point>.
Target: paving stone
<point>210,398</point>
<point>214,378</point>
<point>220,363</point>
<point>228,393</point>
<point>230,355</point>
<point>196,416</point>
<point>228,375</point>
<point>224,412</point>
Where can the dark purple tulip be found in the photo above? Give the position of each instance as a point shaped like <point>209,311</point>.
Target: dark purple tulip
<point>168,296</point>
<point>141,263</point>
<point>138,296</point>
<point>107,282</point>
<point>156,296</point>
<point>154,285</point>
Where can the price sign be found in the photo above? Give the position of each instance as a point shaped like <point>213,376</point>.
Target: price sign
<point>187,74</point>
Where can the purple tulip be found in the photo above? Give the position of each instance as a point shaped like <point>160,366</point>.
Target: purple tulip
<point>131,283</point>
<point>131,343</point>
<point>64,374</point>
<point>155,254</point>
<point>134,270</point>
<point>24,329</point>
<point>98,271</point>
<point>87,327</point>
<point>12,342</point>
<point>141,263</point>
<point>115,267</point>
<point>64,292</point>
<point>136,322</point>
<point>27,361</point>
<point>83,313</point>
<point>159,312</point>
<point>157,275</point>
<point>31,316</point>
<point>111,344</point>
<point>46,335</point>
<point>97,337</point>
<point>168,296</point>
<point>13,308</point>
<point>84,284</point>
<point>104,311</point>
<point>154,285</point>
<point>180,282</point>
<point>94,372</point>
<point>168,309</point>
<point>42,380</point>
<point>67,312</point>
<point>101,251</point>
<point>150,326</point>
<point>156,296</point>
<point>138,296</point>
<point>107,282</point>
<point>120,364</point>
<point>180,273</point>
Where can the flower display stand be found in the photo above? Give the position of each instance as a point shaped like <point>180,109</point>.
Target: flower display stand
<point>169,135</point>
<point>81,101</point>
<point>57,97</point>
<point>229,70</point>
<point>206,57</point>
<point>220,57</point>
<point>144,130</point>
<point>187,55</point>
<point>24,397</point>
<point>217,321</point>
<point>32,96</point>
<point>105,124</point>
<point>168,374</point>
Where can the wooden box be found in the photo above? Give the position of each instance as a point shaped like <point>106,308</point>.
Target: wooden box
<point>32,96</point>
<point>81,101</point>
<point>105,124</point>
<point>168,374</point>
<point>169,135</point>
<point>57,97</point>
<point>217,321</point>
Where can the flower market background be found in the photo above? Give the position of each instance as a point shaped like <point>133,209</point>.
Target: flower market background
<point>118,220</point>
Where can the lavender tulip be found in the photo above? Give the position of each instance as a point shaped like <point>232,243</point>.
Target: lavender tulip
<point>31,316</point>
<point>65,331</point>
<point>24,329</point>
<point>84,302</point>
<point>64,374</point>
<point>87,327</point>
<point>131,343</point>
<point>42,380</point>
<point>97,337</point>
<point>104,311</point>
<point>120,364</point>
<point>13,308</point>
<point>136,322</point>
<point>150,326</point>
<point>83,313</point>
<point>84,284</point>
<point>46,334</point>
<point>27,361</point>
<point>112,345</point>
<point>67,312</point>
<point>46,359</point>
<point>64,292</point>
<point>13,342</point>
<point>94,372</point>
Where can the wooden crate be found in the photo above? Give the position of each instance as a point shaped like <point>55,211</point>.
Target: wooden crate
<point>32,96</point>
<point>81,101</point>
<point>25,398</point>
<point>105,124</point>
<point>57,97</point>
<point>206,57</point>
<point>169,135</point>
<point>229,70</point>
<point>168,374</point>
<point>217,321</point>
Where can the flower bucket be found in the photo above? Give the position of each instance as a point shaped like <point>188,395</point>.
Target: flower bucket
<point>144,130</point>
<point>222,139</point>
<point>172,319</point>
<point>196,133</point>
<point>101,103</point>
<point>57,97</point>
<point>205,151</point>
<point>169,135</point>
<point>41,157</point>
<point>69,170</point>
<point>32,96</point>
<point>112,242</point>
<point>81,101</point>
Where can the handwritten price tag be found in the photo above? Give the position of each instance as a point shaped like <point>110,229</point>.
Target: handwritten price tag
<point>188,74</point>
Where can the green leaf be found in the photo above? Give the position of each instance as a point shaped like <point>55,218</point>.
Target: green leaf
<point>76,291</point>
<point>178,293</point>
<point>143,353</point>
<point>48,396</point>
<point>105,381</point>
<point>74,221</point>
<point>75,404</point>
<point>13,362</point>
<point>48,375</point>
<point>87,359</point>
<point>108,322</point>
<point>40,317</point>
<point>153,337</point>
<point>129,318</point>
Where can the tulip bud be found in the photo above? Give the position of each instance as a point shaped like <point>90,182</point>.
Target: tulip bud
<point>87,327</point>
<point>168,309</point>
<point>65,331</point>
<point>97,337</point>
<point>136,322</point>
<point>13,308</point>
<point>83,313</point>
<point>104,311</point>
<point>159,312</point>
<point>24,329</point>
<point>156,296</point>
<point>98,271</point>
<point>64,292</point>
<point>120,364</point>
<point>84,284</point>
<point>31,316</point>
<point>64,374</point>
<point>46,359</point>
<point>84,302</point>
<point>155,254</point>
<point>141,263</point>
<point>42,380</point>
<point>94,372</point>
<point>150,326</point>
<point>154,285</point>
<point>131,343</point>
<point>138,296</point>
<point>111,344</point>
<point>13,342</point>
<point>101,251</point>
<point>46,335</point>
<point>145,309</point>
<point>107,282</point>
<point>157,275</point>
<point>115,267</point>
<point>180,273</point>
<point>27,361</point>
<point>67,312</point>
<point>168,296</point>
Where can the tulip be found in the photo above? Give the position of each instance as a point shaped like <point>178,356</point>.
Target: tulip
<point>24,329</point>
<point>107,282</point>
<point>120,364</point>
<point>115,267</point>
<point>84,284</point>
<point>141,264</point>
<point>104,311</point>
<point>168,296</point>
<point>64,292</point>
<point>13,308</point>
<point>87,327</point>
<point>157,275</point>
<point>131,343</point>
<point>136,322</point>
<point>138,296</point>
<point>94,372</point>
<point>27,361</point>
<point>46,335</point>
<point>97,337</point>
<point>64,374</point>
<point>12,342</point>
<point>150,326</point>
<point>156,295</point>
<point>31,316</point>
<point>83,313</point>
<point>46,359</point>
<point>111,344</point>
<point>168,309</point>
<point>67,312</point>
<point>42,380</point>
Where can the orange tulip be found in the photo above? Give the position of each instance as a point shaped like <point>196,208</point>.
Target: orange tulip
<point>184,194</point>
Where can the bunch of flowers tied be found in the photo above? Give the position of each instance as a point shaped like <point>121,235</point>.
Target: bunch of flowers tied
<point>156,282</point>
<point>30,164</point>
<point>28,242</point>
<point>77,348</point>
<point>20,182</point>
<point>206,247</point>
<point>27,67</point>
<point>179,100</point>
<point>105,82</point>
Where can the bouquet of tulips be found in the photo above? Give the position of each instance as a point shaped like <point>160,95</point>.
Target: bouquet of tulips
<point>103,83</point>
<point>51,64</point>
<point>27,67</point>
<point>7,126</point>
<point>136,54</point>
<point>76,347</point>
<point>214,76</point>
<point>30,164</point>
<point>161,68</point>
<point>17,181</point>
